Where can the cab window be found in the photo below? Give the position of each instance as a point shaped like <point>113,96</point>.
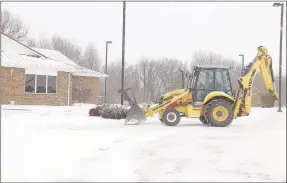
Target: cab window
<point>222,82</point>
<point>204,85</point>
<point>205,80</point>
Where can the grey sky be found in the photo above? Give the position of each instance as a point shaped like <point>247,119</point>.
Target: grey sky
<point>161,29</point>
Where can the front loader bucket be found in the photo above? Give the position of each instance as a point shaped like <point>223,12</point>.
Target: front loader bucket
<point>135,114</point>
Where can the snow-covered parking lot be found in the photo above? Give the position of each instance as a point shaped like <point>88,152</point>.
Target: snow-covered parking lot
<point>40,143</point>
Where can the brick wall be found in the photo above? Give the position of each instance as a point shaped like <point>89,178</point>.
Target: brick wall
<point>12,89</point>
<point>85,89</point>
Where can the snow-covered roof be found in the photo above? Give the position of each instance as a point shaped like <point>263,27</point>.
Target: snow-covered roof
<point>58,56</point>
<point>55,55</point>
<point>37,61</point>
<point>34,65</point>
<point>81,71</point>
<point>10,45</point>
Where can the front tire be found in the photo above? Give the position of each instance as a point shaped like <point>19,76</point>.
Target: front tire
<point>219,113</point>
<point>202,119</point>
<point>171,117</point>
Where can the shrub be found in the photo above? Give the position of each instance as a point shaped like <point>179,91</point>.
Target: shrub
<point>97,111</point>
<point>111,111</point>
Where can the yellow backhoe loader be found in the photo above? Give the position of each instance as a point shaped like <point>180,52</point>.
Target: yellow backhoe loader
<point>209,95</point>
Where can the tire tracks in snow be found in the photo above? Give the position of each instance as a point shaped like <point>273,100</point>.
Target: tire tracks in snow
<point>188,156</point>
<point>114,162</point>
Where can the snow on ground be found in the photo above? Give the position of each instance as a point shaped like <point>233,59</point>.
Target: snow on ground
<point>45,143</point>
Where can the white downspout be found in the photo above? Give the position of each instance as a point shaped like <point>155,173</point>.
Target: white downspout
<point>69,84</point>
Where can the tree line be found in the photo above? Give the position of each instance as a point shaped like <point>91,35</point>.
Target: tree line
<point>149,78</point>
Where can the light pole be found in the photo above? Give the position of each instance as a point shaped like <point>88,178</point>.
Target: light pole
<point>182,78</point>
<point>106,69</point>
<point>144,78</point>
<point>242,55</point>
<point>123,50</point>
<point>280,57</point>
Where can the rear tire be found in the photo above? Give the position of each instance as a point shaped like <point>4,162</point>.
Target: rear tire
<point>171,117</point>
<point>219,113</point>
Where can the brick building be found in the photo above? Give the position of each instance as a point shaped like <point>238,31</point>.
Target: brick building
<point>44,77</point>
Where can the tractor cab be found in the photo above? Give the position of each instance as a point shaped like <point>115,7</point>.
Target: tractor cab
<point>205,79</point>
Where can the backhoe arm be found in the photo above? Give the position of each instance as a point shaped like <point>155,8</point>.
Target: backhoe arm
<point>263,63</point>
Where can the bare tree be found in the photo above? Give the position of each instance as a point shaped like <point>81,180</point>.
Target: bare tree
<point>31,42</point>
<point>12,26</point>
<point>133,81</point>
<point>90,58</point>
<point>66,47</point>
<point>169,75</point>
<point>41,42</point>
<point>158,77</point>
<point>148,76</point>
<point>113,82</point>
<point>204,58</point>
<point>142,66</point>
<point>235,72</point>
<point>44,43</point>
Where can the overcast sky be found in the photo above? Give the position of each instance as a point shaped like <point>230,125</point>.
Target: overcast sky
<point>160,29</point>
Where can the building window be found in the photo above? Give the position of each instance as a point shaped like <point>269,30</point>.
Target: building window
<point>30,83</point>
<point>40,83</point>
